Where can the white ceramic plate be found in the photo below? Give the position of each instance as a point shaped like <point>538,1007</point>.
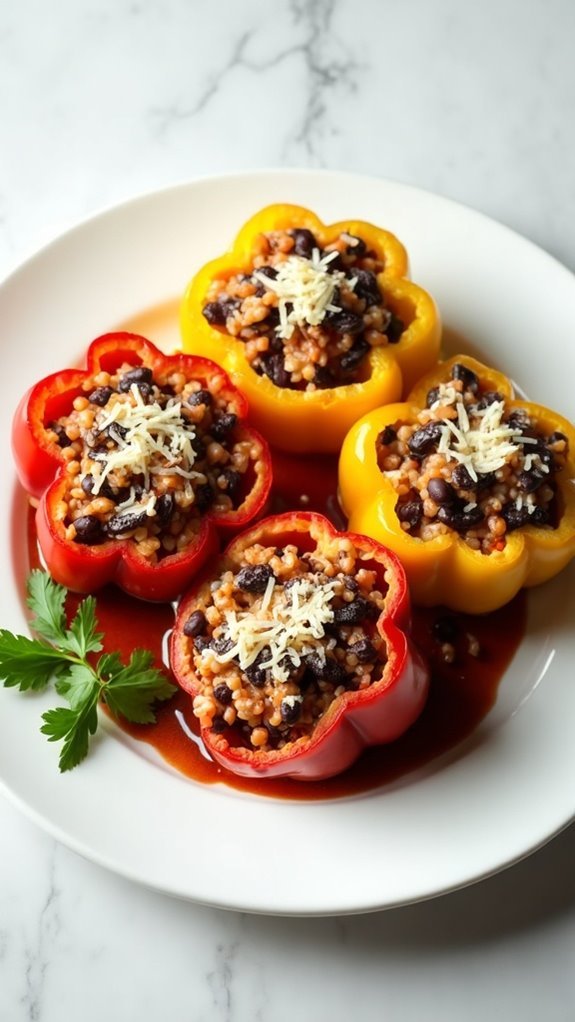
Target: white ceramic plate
<point>489,802</point>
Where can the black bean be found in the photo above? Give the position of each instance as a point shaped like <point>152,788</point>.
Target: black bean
<point>89,530</point>
<point>196,624</point>
<point>461,479</point>
<point>440,491</point>
<point>304,242</point>
<point>200,397</point>
<point>355,612</point>
<point>387,436</point>
<point>467,377</point>
<point>219,311</point>
<point>323,378</point>
<point>344,322</point>
<point>364,650</point>
<point>100,396</point>
<point>290,709</point>
<point>164,508</point>
<point>268,271</point>
<point>223,694</point>
<point>253,578</point>
<point>218,725</point>
<point>205,496</point>
<point>411,512</point>
<point>456,518</point>
<point>233,481</point>
<point>63,440</point>
<point>121,523</point>
<point>354,356</point>
<point>350,582</point>
<point>355,246</point>
<point>516,517</point>
<point>335,263</point>
<point>554,437</point>
<point>272,320</point>
<point>273,367</point>
<point>519,419</point>
<point>425,440</point>
<point>105,490</point>
<point>485,480</point>
<point>139,375</point>
<point>200,448</point>
<point>314,663</point>
<point>367,287</point>
<point>394,329</point>
<point>543,453</point>
<point>201,643</point>
<point>221,646</point>
<point>223,426</point>
<point>334,672</point>
<point>255,672</point>
<point>445,628</point>
<point>489,398</point>
<point>325,669</point>
<point>117,432</point>
<point>432,397</point>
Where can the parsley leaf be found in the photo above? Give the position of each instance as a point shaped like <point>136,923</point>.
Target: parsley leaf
<point>81,637</point>
<point>61,654</point>
<point>132,692</point>
<point>46,601</point>
<point>74,727</point>
<point>26,663</point>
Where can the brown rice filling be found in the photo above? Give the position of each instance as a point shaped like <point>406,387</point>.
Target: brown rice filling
<point>276,640</point>
<point>146,457</point>
<point>294,348</point>
<point>471,464</point>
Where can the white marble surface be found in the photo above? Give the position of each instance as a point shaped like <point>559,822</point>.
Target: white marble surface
<point>105,99</point>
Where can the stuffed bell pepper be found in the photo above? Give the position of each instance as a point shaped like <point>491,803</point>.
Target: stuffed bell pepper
<point>296,650</point>
<point>473,490</point>
<point>316,324</point>
<point>137,462</point>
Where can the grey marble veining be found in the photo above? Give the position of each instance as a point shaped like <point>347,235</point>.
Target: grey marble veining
<point>102,99</point>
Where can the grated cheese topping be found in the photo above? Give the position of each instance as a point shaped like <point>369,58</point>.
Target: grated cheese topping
<point>152,441</point>
<point>482,448</point>
<point>305,289</point>
<point>289,622</point>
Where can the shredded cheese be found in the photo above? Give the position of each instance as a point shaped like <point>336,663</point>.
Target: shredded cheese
<point>149,433</point>
<point>482,448</point>
<point>307,287</point>
<point>289,622</point>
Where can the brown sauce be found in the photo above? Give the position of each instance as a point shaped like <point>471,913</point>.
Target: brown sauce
<point>461,693</point>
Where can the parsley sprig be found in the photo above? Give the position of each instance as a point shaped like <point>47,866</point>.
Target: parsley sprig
<point>60,653</point>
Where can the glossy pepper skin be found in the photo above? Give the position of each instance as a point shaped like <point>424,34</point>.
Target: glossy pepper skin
<point>354,720</point>
<point>317,421</point>
<point>41,469</point>
<point>445,570</point>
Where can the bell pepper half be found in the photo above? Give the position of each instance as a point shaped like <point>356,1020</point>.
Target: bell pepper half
<point>295,649</point>
<point>307,420</point>
<point>531,546</point>
<point>87,555</point>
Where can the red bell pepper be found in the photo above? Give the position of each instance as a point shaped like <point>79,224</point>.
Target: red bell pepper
<point>360,713</point>
<point>41,463</point>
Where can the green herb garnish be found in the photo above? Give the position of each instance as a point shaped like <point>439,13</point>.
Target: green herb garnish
<point>60,653</point>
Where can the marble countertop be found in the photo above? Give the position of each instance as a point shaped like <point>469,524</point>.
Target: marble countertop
<point>110,98</point>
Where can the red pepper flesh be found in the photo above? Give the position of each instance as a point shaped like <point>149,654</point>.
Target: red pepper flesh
<point>357,718</point>
<point>41,469</point>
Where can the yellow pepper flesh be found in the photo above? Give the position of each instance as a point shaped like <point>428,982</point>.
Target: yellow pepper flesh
<point>317,421</point>
<point>445,570</point>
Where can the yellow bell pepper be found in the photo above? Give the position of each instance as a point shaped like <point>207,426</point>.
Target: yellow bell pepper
<point>444,569</point>
<point>317,420</point>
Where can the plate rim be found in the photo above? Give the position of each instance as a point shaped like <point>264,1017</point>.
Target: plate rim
<point>215,180</point>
